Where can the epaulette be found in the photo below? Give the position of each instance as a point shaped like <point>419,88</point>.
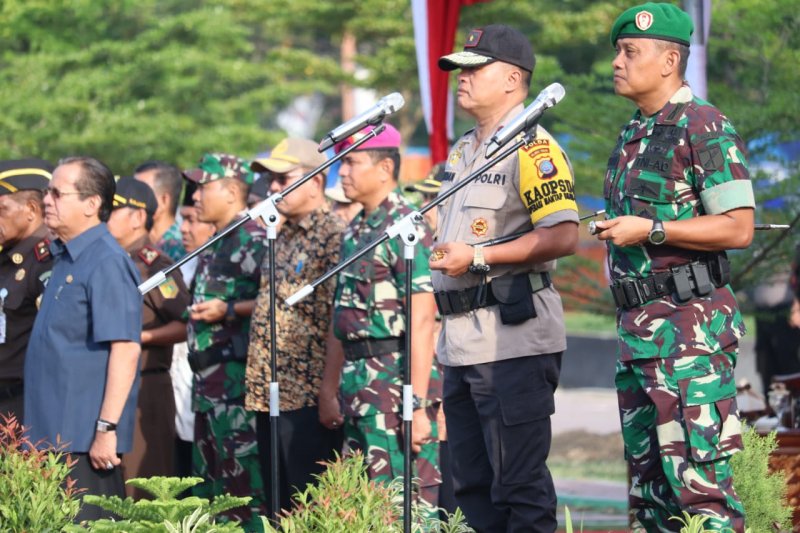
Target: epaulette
<point>42,250</point>
<point>148,254</point>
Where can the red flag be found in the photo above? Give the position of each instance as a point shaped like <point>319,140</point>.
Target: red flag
<point>435,24</point>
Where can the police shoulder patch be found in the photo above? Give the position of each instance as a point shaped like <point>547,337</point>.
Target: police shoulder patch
<point>42,250</point>
<point>168,289</point>
<point>148,254</point>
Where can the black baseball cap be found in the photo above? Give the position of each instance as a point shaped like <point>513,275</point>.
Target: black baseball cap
<point>496,42</point>
<point>134,193</point>
<point>24,175</point>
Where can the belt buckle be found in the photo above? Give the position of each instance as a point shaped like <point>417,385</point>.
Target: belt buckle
<point>632,292</point>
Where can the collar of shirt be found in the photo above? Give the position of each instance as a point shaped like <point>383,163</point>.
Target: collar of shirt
<point>26,245</point>
<point>77,245</point>
<point>311,221</point>
<point>378,216</point>
<point>682,95</point>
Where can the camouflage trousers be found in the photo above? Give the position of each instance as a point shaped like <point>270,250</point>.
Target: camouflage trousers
<point>225,455</point>
<point>380,438</point>
<point>680,425</point>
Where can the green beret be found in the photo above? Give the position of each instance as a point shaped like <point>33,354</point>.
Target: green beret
<point>655,21</point>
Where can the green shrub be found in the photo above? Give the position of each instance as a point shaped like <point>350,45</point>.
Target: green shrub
<point>36,492</point>
<point>763,494</point>
<point>165,513</point>
<point>344,499</point>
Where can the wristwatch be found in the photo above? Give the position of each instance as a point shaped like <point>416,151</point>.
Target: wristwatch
<point>419,403</point>
<point>478,265</point>
<point>104,426</point>
<point>657,234</point>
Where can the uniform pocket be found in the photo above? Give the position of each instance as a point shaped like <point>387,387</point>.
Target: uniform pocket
<point>524,434</point>
<point>484,215</point>
<point>712,425</point>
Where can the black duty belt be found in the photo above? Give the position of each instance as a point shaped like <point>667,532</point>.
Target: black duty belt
<point>465,300</point>
<point>684,282</point>
<point>11,388</point>
<point>223,353</point>
<point>366,348</point>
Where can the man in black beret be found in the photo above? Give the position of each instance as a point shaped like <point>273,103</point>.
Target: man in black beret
<point>25,264</point>
<point>162,326</point>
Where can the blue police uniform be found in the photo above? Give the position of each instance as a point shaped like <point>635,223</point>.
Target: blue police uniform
<point>90,301</point>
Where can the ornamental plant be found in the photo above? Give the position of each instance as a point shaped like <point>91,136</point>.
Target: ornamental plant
<point>36,492</point>
<point>344,499</point>
<point>165,513</point>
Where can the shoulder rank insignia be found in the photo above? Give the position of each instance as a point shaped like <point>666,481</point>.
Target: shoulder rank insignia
<point>168,289</point>
<point>42,250</point>
<point>148,255</point>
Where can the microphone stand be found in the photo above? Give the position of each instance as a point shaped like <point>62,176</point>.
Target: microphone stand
<point>404,228</point>
<point>269,213</point>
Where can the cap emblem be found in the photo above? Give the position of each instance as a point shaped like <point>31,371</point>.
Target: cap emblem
<point>644,19</point>
<point>473,39</point>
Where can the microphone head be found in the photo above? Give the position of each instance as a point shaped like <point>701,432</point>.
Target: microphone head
<point>393,102</point>
<point>554,92</point>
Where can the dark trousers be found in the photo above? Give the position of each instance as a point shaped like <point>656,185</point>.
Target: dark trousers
<point>99,482</point>
<point>302,444</point>
<point>777,345</point>
<point>498,430</point>
<point>12,402</point>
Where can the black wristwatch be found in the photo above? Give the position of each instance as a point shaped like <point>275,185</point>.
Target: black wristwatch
<point>478,265</point>
<point>104,426</point>
<point>657,234</point>
<point>230,313</point>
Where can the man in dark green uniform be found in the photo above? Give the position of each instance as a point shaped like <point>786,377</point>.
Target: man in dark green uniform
<point>25,264</point>
<point>224,291</point>
<point>678,194</point>
<point>162,326</point>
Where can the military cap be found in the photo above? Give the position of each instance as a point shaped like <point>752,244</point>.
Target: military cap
<point>24,175</point>
<point>188,193</point>
<point>289,154</point>
<point>134,193</point>
<point>496,42</point>
<point>431,184</point>
<point>218,166</point>
<point>652,20</point>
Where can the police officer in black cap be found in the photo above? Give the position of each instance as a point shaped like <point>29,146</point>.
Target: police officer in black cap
<point>25,264</point>
<point>162,326</point>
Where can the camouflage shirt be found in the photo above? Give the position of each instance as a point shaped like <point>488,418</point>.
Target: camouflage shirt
<point>228,270</point>
<point>369,303</point>
<point>683,162</point>
<point>304,251</point>
<point>171,244</point>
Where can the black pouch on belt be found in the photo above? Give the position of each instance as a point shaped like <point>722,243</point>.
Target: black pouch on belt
<point>514,299</point>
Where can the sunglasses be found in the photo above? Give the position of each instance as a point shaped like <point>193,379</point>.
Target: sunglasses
<point>57,194</point>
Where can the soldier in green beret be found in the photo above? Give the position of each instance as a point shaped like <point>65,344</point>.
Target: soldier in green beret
<point>678,194</point>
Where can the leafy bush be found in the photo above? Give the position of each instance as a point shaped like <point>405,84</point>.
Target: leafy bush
<point>344,499</point>
<point>763,494</point>
<point>36,492</point>
<point>165,513</point>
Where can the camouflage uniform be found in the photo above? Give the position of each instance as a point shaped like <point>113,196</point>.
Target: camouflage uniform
<point>24,271</point>
<point>154,429</point>
<point>675,371</point>
<point>171,244</point>
<point>369,304</point>
<point>225,450</point>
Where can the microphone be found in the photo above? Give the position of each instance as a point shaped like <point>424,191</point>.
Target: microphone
<point>550,96</point>
<point>374,115</point>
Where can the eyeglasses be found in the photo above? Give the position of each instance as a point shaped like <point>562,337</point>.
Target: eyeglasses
<point>284,179</point>
<point>57,194</point>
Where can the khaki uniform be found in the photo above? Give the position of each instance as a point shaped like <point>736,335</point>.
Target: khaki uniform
<point>154,431</point>
<point>501,203</point>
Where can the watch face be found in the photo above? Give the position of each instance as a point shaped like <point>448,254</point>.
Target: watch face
<point>657,236</point>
